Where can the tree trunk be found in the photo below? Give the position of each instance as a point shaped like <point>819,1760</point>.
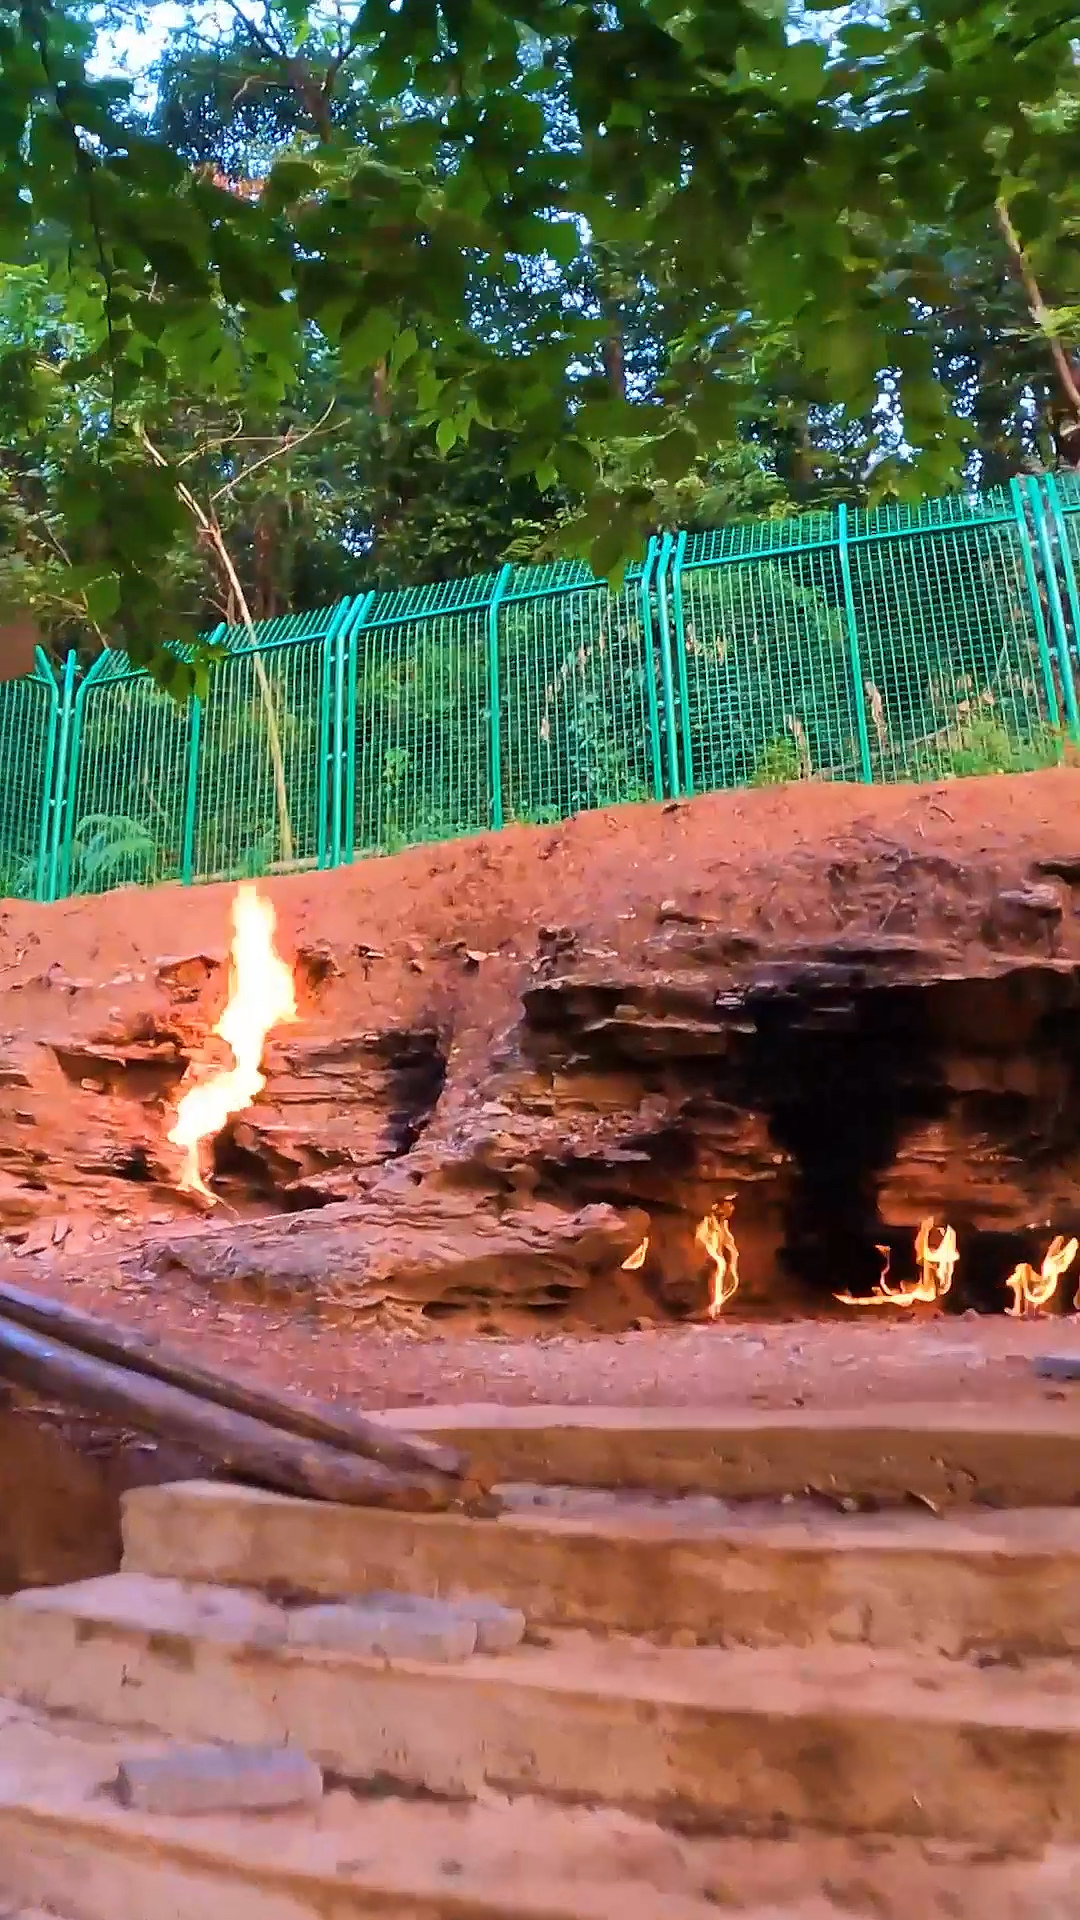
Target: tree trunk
<point>264,546</point>
<point>614,353</point>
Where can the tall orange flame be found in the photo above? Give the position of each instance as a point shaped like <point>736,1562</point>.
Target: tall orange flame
<point>714,1234</point>
<point>636,1259</point>
<point>261,996</point>
<point>936,1264</point>
<point>1033,1291</point>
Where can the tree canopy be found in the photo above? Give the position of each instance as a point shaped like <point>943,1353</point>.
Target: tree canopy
<point>586,263</point>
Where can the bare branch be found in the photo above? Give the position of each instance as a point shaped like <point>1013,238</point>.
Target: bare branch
<point>210,530</point>
<point>288,445</point>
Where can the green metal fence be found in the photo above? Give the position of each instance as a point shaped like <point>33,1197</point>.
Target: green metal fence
<point>897,644</point>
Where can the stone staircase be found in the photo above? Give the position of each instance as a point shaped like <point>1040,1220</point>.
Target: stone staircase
<point>790,1708</point>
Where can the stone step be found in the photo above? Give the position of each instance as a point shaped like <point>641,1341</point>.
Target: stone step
<point>1022,1456</point>
<point>66,1843</point>
<point>751,1573</point>
<point>64,1838</point>
<point>846,1739</point>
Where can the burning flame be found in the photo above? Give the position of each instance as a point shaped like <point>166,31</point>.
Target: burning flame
<point>636,1259</point>
<point>715,1236</point>
<point>936,1264</point>
<point>261,996</point>
<point>1033,1291</point>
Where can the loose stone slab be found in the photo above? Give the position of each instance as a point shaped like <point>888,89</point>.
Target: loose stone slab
<point>499,1629</point>
<point>384,1632</point>
<point>1057,1366</point>
<point>212,1779</point>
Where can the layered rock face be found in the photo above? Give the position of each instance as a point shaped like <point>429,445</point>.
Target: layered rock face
<point>825,1013</point>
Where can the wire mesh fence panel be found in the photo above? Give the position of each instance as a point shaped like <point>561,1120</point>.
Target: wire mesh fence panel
<point>126,780</point>
<point>577,713</point>
<point>765,679</point>
<point>903,643</point>
<point>949,634</point>
<point>258,797</point>
<point>28,713</point>
<point>419,718</point>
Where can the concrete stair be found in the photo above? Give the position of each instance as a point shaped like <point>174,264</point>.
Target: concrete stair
<point>1013,1457</point>
<point>830,1735</point>
<point>778,1707</point>
<point>696,1568</point>
<point>62,1838</point>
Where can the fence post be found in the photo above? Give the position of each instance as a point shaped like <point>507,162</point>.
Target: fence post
<point>191,783</point>
<point>495,693</point>
<point>342,740</point>
<point>328,786</point>
<point>43,671</point>
<point>677,568</point>
<point>866,771</point>
<point>67,742</point>
<point>187,838</point>
<point>645,586</point>
<point>327,825</point>
<point>667,675</point>
<point>1053,590</point>
<point>346,711</point>
<point>1031,582</point>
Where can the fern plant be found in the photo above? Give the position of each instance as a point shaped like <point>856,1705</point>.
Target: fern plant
<point>112,850</point>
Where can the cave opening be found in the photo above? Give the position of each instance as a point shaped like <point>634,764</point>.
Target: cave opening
<point>924,1137</point>
<point>841,1085</point>
<point>848,1084</point>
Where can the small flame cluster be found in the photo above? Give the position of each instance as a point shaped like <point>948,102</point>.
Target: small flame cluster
<point>1032,1290</point>
<point>937,1256</point>
<point>714,1236</point>
<point>936,1263</point>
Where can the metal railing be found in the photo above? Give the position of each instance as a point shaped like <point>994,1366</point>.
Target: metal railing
<point>902,643</point>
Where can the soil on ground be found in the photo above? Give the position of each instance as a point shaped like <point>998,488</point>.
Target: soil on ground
<point>732,852</point>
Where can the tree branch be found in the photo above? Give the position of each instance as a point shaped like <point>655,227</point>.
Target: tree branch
<point>210,529</point>
<point>1039,310</point>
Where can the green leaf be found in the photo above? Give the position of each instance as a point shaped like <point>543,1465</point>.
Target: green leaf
<point>289,180</point>
<point>404,348</point>
<point>861,38</point>
<point>673,454</point>
<point>367,335</point>
<point>562,241</point>
<point>102,596</point>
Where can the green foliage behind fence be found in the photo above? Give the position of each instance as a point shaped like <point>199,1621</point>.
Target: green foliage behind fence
<point>898,644</point>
